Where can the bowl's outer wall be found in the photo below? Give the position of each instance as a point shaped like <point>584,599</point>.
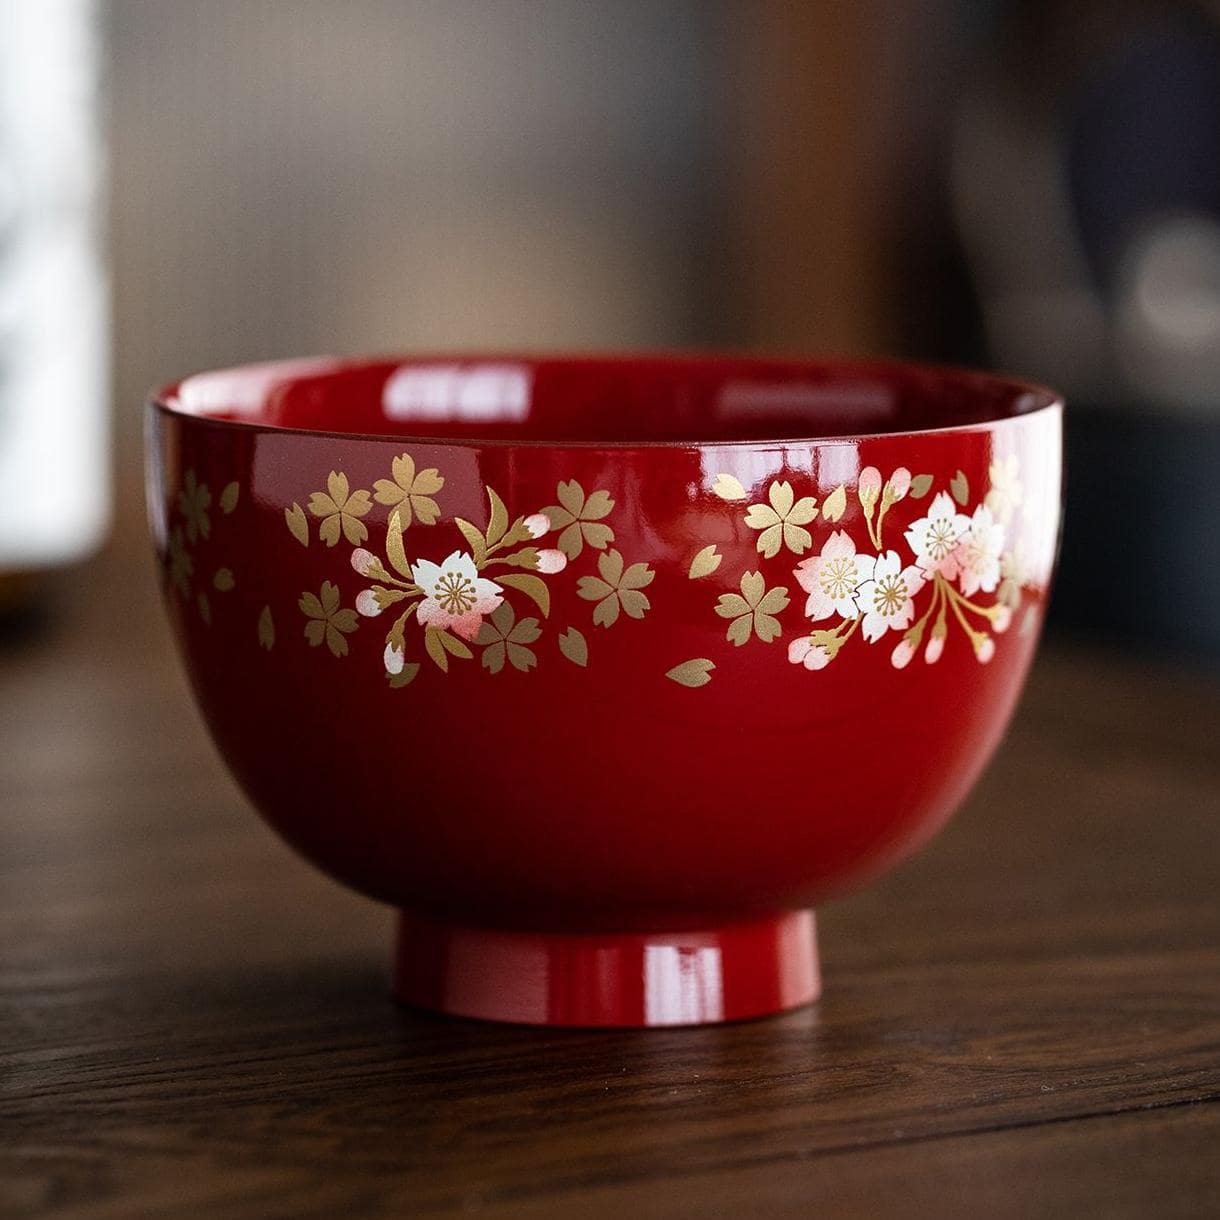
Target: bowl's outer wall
<point>604,795</point>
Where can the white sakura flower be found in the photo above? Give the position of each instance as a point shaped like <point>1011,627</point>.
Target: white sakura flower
<point>978,553</point>
<point>456,597</point>
<point>933,539</point>
<point>832,578</point>
<point>887,599</point>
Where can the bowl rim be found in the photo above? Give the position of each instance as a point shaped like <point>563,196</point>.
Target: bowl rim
<point>165,399</point>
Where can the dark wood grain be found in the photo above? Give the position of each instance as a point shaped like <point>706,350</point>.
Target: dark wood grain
<point>1025,1020</point>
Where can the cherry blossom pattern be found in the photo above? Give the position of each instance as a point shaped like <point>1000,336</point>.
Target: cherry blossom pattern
<point>340,510</point>
<point>956,555</point>
<point>781,521</point>
<point>978,553</point>
<point>326,620</point>
<point>832,578</point>
<point>459,600</point>
<point>934,539</point>
<point>617,587</point>
<point>873,495</point>
<point>503,638</point>
<point>974,564</point>
<point>753,610</point>
<point>887,598</point>
<point>455,597</point>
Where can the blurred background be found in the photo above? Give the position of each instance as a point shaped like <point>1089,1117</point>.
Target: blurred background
<point>1033,186</point>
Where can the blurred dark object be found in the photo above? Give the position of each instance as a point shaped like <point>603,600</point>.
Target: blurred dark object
<point>1086,186</point>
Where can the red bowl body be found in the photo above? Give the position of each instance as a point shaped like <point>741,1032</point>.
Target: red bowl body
<point>605,671</point>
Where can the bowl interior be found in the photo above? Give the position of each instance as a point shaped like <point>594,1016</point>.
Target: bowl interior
<point>602,400</point>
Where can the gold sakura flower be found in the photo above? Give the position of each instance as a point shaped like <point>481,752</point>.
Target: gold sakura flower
<point>340,510</point>
<point>326,620</point>
<point>617,589</point>
<point>782,520</point>
<point>501,636</point>
<point>753,610</point>
<point>580,518</point>
<point>181,565</point>
<point>410,492</point>
<point>193,502</point>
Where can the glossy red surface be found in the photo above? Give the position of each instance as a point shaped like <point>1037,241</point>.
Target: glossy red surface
<point>550,797</point>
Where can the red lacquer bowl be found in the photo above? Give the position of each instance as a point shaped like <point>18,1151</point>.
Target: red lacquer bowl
<point>605,671</point>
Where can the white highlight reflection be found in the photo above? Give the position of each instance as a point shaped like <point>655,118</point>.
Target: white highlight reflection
<point>479,393</point>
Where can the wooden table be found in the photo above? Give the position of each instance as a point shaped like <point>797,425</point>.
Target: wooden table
<point>1023,1021</point>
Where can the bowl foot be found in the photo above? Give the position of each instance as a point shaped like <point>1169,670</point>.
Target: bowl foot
<point>609,978</point>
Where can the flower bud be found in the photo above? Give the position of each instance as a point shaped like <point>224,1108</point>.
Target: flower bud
<point>902,654</point>
<point>367,603</point>
<point>394,658</point>
<point>537,524</point>
<point>551,560</point>
<point>899,484</point>
<point>365,562</point>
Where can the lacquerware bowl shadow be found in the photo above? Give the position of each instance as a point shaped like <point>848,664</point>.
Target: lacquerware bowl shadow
<point>605,671</point>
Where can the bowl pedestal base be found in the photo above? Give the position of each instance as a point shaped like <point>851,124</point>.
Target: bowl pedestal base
<point>609,978</point>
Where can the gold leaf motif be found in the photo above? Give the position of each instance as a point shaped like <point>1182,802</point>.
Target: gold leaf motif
<point>435,649</point>
<point>205,608</point>
<point>574,646</point>
<point>921,484</point>
<point>693,673</point>
<point>228,498</point>
<point>395,552</point>
<point>960,487</point>
<point>454,646</point>
<point>705,562</point>
<point>298,524</point>
<point>728,487</point>
<point>835,504</point>
<point>497,525</point>
<point>533,587</point>
<point>405,676</point>
<point>266,629</point>
<point>474,539</point>
<point>223,580</point>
